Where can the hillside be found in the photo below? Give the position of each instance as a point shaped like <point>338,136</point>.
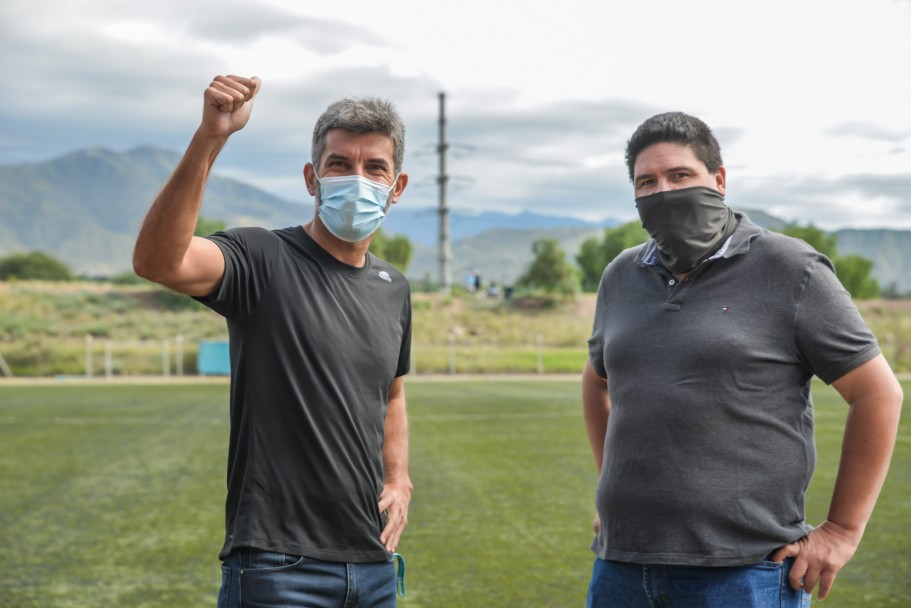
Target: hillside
<point>499,255</point>
<point>890,251</point>
<point>86,207</point>
<point>44,328</point>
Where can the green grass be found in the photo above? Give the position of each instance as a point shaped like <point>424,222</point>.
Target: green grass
<point>112,495</point>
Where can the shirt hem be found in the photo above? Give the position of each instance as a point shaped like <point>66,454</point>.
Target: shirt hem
<point>328,555</point>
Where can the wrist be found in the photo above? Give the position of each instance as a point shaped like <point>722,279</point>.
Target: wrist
<point>403,482</point>
<point>207,143</point>
<point>849,532</point>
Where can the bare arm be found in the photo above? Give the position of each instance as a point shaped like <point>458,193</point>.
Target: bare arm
<point>397,486</point>
<point>874,398</point>
<point>596,410</point>
<point>166,251</point>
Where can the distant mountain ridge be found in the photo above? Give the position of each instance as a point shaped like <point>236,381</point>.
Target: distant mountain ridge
<point>86,207</point>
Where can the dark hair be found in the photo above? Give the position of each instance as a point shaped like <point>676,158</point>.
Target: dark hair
<point>678,128</point>
<point>360,115</point>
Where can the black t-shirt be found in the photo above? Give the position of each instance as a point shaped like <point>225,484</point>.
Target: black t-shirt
<point>315,345</point>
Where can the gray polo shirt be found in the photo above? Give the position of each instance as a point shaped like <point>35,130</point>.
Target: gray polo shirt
<point>709,447</point>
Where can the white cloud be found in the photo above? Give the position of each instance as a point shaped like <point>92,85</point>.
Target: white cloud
<point>807,98</point>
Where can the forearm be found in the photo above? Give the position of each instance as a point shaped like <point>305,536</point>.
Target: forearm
<point>875,400</point>
<point>596,410</point>
<point>867,448</point>
<point>167,231</point>
<point>395,446</point>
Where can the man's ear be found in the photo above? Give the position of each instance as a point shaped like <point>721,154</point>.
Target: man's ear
<point>399,187</point>
<point>720,179</point>
<point>310,178</point>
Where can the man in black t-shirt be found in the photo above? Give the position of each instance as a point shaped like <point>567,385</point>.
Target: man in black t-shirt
<point>320,335</point>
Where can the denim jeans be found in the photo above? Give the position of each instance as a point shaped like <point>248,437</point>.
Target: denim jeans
<point>625,585</point>
<point>255,579</point>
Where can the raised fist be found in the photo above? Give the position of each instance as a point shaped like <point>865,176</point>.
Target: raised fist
<point>228,103</point>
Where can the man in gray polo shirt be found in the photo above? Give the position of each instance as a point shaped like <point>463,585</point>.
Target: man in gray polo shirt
<point>697,397</point>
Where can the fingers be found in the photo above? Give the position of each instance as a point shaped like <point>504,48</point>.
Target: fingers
<point>798,576</point>
<point>816,573</point>
<point>825,584</point>
<point>230,93</point>
<point>782,553</point>
<point>395,506</point>
<point>596,524</point>
<point>395,525</point>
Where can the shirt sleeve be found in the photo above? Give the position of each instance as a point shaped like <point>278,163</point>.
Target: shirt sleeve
<point>596,341</point>
<point>832,337</point>
<point>404,364</point>
<point>249,259</point>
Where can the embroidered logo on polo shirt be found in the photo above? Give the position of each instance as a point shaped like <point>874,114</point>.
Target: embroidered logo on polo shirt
<point>385,276</point>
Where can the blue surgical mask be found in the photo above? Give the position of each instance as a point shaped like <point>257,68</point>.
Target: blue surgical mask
<point>352,207</point>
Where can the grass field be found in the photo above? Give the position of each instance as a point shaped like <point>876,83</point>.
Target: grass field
<point>112,495</point>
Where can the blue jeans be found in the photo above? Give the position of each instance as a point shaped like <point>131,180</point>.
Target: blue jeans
<point>255,579</point>
<point>625,585</point>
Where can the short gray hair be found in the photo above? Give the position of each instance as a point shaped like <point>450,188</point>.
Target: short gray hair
<point>361,115</point>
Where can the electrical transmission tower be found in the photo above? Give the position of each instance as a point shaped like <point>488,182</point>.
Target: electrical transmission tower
<point>445,245</point>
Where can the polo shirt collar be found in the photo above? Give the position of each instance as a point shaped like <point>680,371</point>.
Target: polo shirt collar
<point>736,244</point>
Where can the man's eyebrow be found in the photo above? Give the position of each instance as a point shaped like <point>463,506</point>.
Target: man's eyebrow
<point>675,169</point>
<point>679,168</point>
<point>641,176</point>
<point>375,160</point>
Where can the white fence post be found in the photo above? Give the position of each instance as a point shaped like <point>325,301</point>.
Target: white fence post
<point>178,347</point>
<point>165,358</point>
<point>5,368</point>
<point>89,364</point>
<point>452,354</point>
<point>108,360</point>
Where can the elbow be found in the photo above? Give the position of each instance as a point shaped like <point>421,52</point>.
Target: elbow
<point>146,267</point>
<point>899,395</point>
<point>142,267</point>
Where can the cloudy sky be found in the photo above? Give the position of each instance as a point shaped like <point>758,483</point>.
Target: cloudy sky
<point>810,99</point>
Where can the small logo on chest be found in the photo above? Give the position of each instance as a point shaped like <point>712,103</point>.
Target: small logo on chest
<point>385,276</point>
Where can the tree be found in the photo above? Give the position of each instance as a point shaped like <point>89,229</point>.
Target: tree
<point>396,250</point>
<point>35,265</point>
<point>205,227</point>
<point>594,256</point>
<point>854,271</point>
<point>550,271</point>
<point>591,260</point>
<point>825,244</point>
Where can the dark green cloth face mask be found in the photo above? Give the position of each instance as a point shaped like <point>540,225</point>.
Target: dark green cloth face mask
<point>688,225</point>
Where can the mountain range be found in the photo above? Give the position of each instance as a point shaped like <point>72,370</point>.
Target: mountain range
<point>86,207</point>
